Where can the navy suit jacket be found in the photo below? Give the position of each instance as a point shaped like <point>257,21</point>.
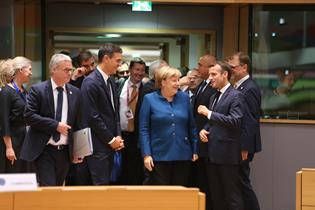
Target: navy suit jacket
<point>202,98</point>
<point>39,115</point>
<point>98,112</point>
<point>250,138</point>
<point>167,130</point>
<point>224,128</point>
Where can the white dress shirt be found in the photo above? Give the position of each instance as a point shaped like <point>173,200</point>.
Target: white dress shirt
<point>105,77</point>
<point>123,103</point>
<point>222,90</point>
<point>64,117</point>
<point>239,82</point>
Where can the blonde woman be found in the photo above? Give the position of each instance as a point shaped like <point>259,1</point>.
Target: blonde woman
<point>168,135</point>
<point>13,99</point>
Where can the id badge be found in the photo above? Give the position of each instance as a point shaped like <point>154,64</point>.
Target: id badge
<point>129,114</point>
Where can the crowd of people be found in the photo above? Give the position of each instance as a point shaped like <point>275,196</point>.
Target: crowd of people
<point>156,128</point>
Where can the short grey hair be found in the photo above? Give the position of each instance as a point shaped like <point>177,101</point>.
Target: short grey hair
<point>20,62</point>
<point>154,66</point>
<point>56,59</point>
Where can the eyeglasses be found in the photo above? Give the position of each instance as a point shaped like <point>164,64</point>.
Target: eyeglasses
<point>67,70</point>
<point>233,67</point>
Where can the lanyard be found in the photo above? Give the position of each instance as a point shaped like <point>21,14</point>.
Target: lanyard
<point>17,90</point>
<point>134,98</point>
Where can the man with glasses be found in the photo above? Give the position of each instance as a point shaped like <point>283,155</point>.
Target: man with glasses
<point>250,137</point>
<point>86,62</point>
<point>53,113</point>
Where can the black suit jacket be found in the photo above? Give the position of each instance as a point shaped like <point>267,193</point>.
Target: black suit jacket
<point>98,112</point>
<point>224,128</point>
<point>250,138</point>
<point>202,98</point>
<point>39,115</point>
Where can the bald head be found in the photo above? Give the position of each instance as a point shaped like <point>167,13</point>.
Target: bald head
<point>205,62</point>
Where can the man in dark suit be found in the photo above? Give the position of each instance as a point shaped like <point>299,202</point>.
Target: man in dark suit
<point>53,112</point>
<point>250,138</point>
<point>204,91</point>
<point>86,64</point>
<point>222,132</point>
<point>129,105</point>
<point>100,105</point>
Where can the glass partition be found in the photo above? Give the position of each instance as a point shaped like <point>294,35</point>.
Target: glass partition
<point>283,60</point>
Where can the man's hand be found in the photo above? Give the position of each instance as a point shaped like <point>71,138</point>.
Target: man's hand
<point>78,72</point>
<point>203,135</point>
<point>203,110</point>
<point>77,160</point>
<point>244,154</point>
<point>148,163</point>
<point>63,128</point>
<point>118,144</point>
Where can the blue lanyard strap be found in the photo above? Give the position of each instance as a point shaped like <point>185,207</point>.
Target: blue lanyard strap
<point>17,90</point>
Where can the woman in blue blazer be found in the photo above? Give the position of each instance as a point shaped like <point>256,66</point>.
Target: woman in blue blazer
<point>168,135</point>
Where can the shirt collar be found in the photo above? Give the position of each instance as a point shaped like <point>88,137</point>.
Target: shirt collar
<point>54,85</point>
<point>130,83</point>
<point>104,75</point>
<point>239,82</point>
<point>222,90</point>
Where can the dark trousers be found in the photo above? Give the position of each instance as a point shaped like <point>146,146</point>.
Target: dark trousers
<point>168,173</point>
<point>225,186</point>
<point>199,178</point>
<point>95,169</point>
<point>52,166</point>
<point>249,196</point>
<point>132,162</point>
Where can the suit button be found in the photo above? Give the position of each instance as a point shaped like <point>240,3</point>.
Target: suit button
<point>173,124</point>
<point>172,115</point>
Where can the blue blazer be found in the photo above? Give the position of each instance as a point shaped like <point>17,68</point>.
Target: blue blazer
<point>98,112</point>
<point>167,130</point>
<point>250,138</point>
<point>40,116</point>
<point>224,128</point>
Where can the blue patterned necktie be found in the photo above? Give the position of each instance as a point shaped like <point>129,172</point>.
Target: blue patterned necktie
<point>116,169</point>
<point>56,135</point>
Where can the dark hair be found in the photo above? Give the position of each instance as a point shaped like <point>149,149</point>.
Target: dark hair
<point>136,60</point>
<point>108,49</point>
<point>83,56</point>
<point>225,67</point>
<point>244,59</point>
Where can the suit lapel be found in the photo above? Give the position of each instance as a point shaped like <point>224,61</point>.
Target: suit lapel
<point>223,97</point>
<point>103,85</point>
<point>50,98</point>
<point>70,100</point>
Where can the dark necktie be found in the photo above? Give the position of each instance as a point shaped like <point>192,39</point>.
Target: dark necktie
<point>201,87</point>
<point>216,99</point>
<point>56,135</point>
<point>109,91</point>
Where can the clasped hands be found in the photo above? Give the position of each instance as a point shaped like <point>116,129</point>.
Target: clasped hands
<point>118,144</point>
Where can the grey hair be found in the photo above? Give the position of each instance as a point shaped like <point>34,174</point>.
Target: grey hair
<point>154,66</point>
<point>20,62</point>
<point>56,59</point>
